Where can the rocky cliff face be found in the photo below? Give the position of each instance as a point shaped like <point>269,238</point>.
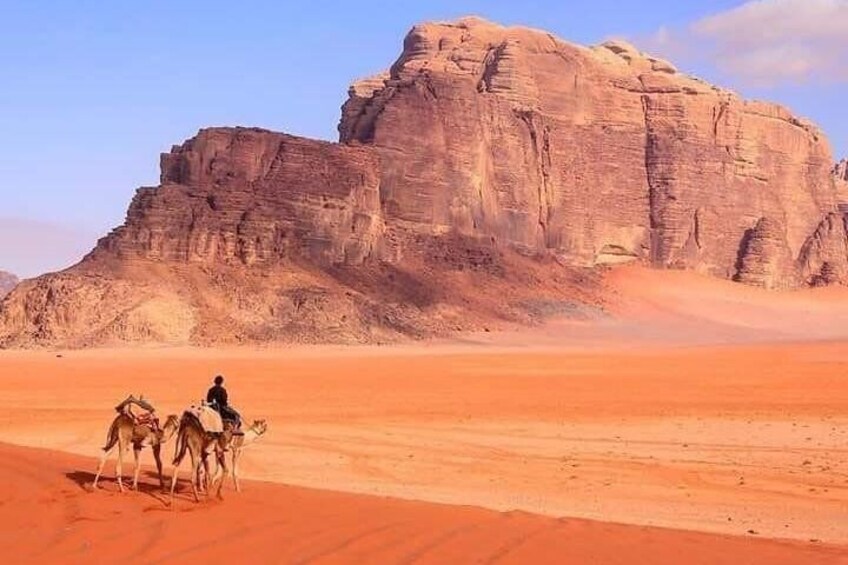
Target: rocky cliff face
<point>840,174</point>
<point>7,282</point>
<point>824,256</point>
<point>598,155</point>
<point>247,196</point>
<point>485,171</point>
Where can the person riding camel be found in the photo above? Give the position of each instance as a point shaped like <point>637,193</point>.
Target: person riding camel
<point>218,398</point>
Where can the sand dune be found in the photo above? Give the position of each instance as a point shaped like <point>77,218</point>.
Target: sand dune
<point>650,309</point>
<point>49,516</point>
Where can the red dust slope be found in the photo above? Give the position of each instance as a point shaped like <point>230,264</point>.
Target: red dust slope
<point>48,515</point>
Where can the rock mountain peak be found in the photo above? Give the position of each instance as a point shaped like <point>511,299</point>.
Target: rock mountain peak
<point>487,169</point>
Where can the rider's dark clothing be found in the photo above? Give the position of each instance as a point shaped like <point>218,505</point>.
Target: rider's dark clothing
<point>217,396</point>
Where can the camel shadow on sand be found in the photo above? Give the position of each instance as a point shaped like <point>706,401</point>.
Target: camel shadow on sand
<point>147,484</point>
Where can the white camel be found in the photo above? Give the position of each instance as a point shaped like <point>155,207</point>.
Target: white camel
<point>251,434</point>
<point>236,447</point>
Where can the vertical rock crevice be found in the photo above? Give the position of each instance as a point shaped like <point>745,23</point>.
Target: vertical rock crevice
<point>540,142</point>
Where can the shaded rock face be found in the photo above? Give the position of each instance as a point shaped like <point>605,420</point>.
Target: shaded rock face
<point>488,169</point>
<point>8,281</point>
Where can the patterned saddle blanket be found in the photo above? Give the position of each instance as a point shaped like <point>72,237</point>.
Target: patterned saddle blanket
<point>147,419</point>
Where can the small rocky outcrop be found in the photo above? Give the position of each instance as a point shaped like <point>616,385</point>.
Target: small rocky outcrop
<point>824,258</point>
<point>8,281</point>
<point>765,259</point>
<point>840,174</point>
<point>840,171</point>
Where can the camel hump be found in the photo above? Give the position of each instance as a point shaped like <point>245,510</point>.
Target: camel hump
<point>208,418</point>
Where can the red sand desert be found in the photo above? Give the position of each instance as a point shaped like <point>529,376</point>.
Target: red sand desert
<point>709,427</point>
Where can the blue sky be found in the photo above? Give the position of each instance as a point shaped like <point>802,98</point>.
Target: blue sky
<point>94,91</point>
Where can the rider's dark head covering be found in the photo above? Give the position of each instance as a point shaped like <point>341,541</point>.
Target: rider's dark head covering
<point>219,380</point>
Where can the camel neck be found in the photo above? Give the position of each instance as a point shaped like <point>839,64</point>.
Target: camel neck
<point>250,435</point>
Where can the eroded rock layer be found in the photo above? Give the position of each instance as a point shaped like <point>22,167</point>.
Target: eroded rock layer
<point>475,182</point>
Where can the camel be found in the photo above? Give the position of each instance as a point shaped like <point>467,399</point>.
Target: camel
<point>125,431</point>
<point>251,434</point>
<point>238,443</point>
<point>192,438</point>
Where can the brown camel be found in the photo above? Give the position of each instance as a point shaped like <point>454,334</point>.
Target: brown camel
<point>125,431</point>
<point>192,438</point>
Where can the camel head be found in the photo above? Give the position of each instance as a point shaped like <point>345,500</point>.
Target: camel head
<point>172,422</point>
<point>259,426</point>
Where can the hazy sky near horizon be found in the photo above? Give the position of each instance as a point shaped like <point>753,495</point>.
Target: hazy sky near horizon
<point>92,92</point>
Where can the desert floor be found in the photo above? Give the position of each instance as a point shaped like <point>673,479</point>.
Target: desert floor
<point>700,423</point>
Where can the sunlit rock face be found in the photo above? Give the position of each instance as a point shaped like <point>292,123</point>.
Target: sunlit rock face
<point>599,154</point>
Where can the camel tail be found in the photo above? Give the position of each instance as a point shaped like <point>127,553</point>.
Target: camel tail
<point>182,445</point>
<point>111,436</point>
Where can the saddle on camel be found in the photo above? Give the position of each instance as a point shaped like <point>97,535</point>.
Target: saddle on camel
<point>138,428</point>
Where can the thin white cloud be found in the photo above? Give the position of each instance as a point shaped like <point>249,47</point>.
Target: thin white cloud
<point>765,42</point>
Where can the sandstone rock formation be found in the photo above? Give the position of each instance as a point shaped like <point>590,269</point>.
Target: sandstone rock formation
<point>765,258</point>
<point>598,155</point>
<point>483,174</point>
<point>252,196</point>
<point>824,258</point>
<point>840,174</point>
<point>7,282</point>
<point>840,171</point>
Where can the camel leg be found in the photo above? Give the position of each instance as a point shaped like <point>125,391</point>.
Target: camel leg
<point>100,466</point>
<point>136,453</point>
<point>198,478</point>
<point>213,479</point>
<point>203,474</point>
<point>157,456</point>
<point>195,465</point>
<point>119,467</point>
<point>236,455</point>
<point>222,461</point>
<point>174,482</point>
